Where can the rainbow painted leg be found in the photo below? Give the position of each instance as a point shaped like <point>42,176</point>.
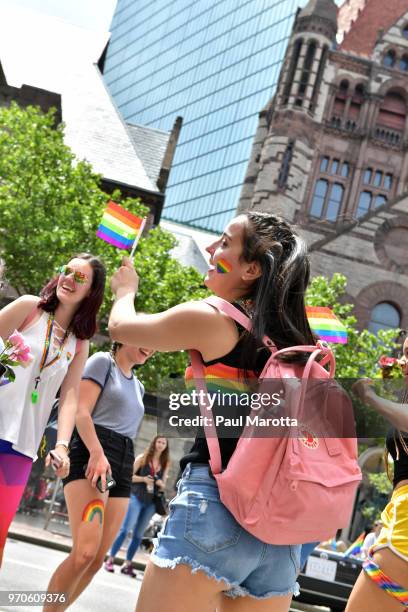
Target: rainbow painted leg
<point>384,582</point>
<point>15,469</point>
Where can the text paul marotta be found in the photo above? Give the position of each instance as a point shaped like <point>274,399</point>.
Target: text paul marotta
<point>255,401</point>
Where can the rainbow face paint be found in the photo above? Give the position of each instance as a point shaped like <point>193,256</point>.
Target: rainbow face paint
<point>79,277</point>
<point>223,266</point>
<point>95,508</point>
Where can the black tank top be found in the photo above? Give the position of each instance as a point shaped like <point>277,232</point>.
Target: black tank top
<point>227,367</point>
<point>139,488</point>
<point>399,454</point>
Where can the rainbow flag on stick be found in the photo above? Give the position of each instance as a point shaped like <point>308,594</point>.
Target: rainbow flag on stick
<point>355,547</point>
<point>120,227</point>
<point>324,323</point>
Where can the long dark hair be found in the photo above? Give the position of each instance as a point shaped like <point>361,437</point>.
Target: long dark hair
<point>278,295</point>
<point>149,452</point>
<point>83,324</point>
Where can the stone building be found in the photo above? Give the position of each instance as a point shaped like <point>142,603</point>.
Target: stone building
<point>331,150</point>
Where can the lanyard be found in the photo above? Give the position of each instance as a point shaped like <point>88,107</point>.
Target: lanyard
<point>46,349</point>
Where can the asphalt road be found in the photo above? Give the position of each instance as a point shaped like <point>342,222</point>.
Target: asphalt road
<point>27,567</point>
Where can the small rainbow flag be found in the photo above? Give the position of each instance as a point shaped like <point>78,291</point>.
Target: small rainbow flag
<point>119,227</point>
<point>223,266</point>
<point>324,323</point>
<point>355,547</point>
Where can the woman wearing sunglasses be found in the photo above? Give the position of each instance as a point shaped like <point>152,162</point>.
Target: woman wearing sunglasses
<point>57,327</point>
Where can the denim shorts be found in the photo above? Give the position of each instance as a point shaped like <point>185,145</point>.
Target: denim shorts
<point>203,534</point>
<point>118,450</point>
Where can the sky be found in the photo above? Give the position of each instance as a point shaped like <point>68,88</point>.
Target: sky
<point>91,14</point>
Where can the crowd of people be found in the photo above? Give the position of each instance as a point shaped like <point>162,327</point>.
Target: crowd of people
<point>204,559</point>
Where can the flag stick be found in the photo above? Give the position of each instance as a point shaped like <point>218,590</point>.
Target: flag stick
<point>132,252</point>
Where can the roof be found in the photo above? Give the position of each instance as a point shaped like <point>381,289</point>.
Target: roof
<point>326,9</point>
<point>373,16</point>
<point>46,52</point>
<point>190,250</point>
<point>150,145</point>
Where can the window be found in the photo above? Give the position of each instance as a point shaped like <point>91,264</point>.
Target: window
<point>319,197</point>
<point>307,68</point>
<point>393,111</point>
<point>286,159</point>
<point>403,64</point>
<point>384,316</point>
<point>334,203</point>
<point>364,203</point>
<point>319,77</point>
<point>368,175</point>
<point>324,164</point>
<point>405,31</point>
<point>345,169</point>
<point>334,167</point>
<point>380,199</point>
<point>378,178</point>
<point>388,181</point>
<point>389,59</point>
<point>340,99</point>
<point>292,69</point>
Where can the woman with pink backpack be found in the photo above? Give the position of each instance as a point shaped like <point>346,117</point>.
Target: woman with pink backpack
<point>205,558</point>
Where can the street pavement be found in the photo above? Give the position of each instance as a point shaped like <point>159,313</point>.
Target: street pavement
<point>28,567</point>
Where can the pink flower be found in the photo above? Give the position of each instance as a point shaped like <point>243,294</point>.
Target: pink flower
<point>16,339</point>
<point>387,362</point>
<point>26,359</point>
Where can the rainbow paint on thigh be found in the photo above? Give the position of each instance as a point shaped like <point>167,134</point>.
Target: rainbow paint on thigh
<point>94,508</point>
<point>385,583</point>
<point>15,469</point>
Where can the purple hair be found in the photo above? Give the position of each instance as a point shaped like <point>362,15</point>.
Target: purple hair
<point>83,324</point>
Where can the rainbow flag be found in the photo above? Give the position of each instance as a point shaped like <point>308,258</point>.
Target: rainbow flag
<point>119,227</point>
<point>355,547</point>
<point>324,323</point>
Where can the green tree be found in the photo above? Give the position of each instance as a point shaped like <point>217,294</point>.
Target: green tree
<point>50,207</point>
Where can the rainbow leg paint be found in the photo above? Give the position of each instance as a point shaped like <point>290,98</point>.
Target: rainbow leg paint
<point>384,582</point>
<point>15,469</point>
<point>95,508</point>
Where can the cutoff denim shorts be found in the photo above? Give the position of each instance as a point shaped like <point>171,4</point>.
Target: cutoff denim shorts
<point>203,534</point>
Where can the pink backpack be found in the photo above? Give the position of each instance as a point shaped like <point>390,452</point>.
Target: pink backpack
<point>287,490</point>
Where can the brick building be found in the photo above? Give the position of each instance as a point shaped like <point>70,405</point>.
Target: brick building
<point>331,150</point>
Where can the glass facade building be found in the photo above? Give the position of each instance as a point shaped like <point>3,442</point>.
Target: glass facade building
<point>215,63</point>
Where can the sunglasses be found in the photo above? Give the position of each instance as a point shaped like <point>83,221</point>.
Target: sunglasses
<point>79,277</point>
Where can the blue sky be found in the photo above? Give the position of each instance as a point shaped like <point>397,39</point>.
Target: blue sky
<point>93,14</point>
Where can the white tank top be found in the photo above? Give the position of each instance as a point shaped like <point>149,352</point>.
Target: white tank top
<point>21,422</point>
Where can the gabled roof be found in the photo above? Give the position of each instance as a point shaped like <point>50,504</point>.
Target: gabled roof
<point>150,145</point>
<point>48,53</point>
<point>374,16</point>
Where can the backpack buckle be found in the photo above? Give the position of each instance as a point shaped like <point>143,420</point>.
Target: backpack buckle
<point>323,344</point>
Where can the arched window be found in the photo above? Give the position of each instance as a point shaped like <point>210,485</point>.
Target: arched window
<point>319,77</point>
<point>389,59</point>
<point>384,316</point>
<point>292,69</point>
<point>319,197</point>
<point>403,64</point>
<point>393,111</point>
<point>356,103</point>
<point>334,203</point>
<point>307,69</point>
<point>340,99</point>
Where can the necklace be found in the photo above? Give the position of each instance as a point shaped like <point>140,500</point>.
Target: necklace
<point>46,349</point>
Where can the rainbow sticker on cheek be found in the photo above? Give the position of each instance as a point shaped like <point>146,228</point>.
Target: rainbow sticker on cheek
<point>223,266</point>
<point>94,508</point>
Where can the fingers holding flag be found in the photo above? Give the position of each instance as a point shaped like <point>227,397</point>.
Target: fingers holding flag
<point>125,279</point>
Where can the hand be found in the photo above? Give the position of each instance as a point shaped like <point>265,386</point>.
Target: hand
<point>147,479</point>
<point>362,388</point>
<point>63,470</point>
<point>160,483</point>
<point>125,280</point>
<point>98,466</point>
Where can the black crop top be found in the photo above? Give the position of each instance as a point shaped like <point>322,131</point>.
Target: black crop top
<point>399,455</point>
<point>227,366</point>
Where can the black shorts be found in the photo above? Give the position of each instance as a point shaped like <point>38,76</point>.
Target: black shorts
<point>119,452</point>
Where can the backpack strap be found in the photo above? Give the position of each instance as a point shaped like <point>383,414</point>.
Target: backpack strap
<point>205,410</point>
<point>231,311</point>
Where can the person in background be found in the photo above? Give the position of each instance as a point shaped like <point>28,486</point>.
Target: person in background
<point>370,538</point>
<point>150,470</point>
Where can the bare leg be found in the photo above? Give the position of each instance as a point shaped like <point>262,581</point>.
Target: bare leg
<point>114,514</point>
<point>249,604</point>
<point>366,595</point>
<point>86,537</point>
<point>173,590</point>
